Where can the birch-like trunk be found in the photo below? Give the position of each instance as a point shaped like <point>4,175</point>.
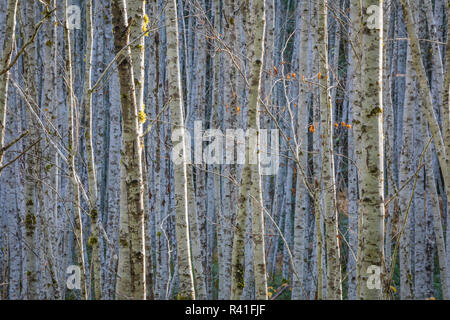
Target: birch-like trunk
<point>186,281</point>
<point>32,164</point>
<point>132,206</point>
<point>406,290</point>
<point>368,128</point>
<point>228,169</point>
<point>50,158</point>
<point>251,178</point>
<point>198,213</point>
<point>8,46</point>
<point>73,143</point>
<point>446,107</point>
<point>301,194</point>
<point>432,203</point>
<point>92,175</point>
<point>334,286</point>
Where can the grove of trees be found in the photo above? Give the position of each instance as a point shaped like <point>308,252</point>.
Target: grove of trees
<point>224,149</point>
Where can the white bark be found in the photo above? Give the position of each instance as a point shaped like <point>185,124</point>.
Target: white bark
<point>186,285</point>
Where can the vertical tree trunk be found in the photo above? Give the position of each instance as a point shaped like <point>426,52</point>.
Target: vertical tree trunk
<point>354,54</point>
<point>186,285</point>
<point>368,126</point>
<point>32,179</point>
<point>229,103</point>
<point>432,203</point>
<point>334,286</point>
<point>255,32</point>
<point>92,175</point>
<point>73,142</point>
<point>251,179</point>
<point>49,156</point>
<point>198,213</point>
<point>301,194</point>
<point>132,207</point>
<point>8,45</point>
<point>406,290</point>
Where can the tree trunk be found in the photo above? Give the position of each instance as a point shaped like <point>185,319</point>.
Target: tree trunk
<point>368,127</point>
<point>8,45</point>
<point>132,207</point>
<point>334,286</point>
<point>186,285</point>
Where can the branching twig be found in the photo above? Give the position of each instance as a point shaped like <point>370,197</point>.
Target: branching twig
<point>9,145</point>
<point>20,155</point>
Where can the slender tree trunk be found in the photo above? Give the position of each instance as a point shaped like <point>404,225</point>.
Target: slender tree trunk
<point>92,175</point>
<point>301,193</point>
<point>186,285</point>
<point>432,203</point>
<point>368,127</point>
<point>334,286</point>
<point>32,175</point>
<point>354,106</point>
<point>8,46</point>
<point>251,179</point>
<point>406,291</point>
<point>72,124</point>
<point>229,169</point>
<point>198,212</point>
<point>50,157</point>
<point>132,207</point>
